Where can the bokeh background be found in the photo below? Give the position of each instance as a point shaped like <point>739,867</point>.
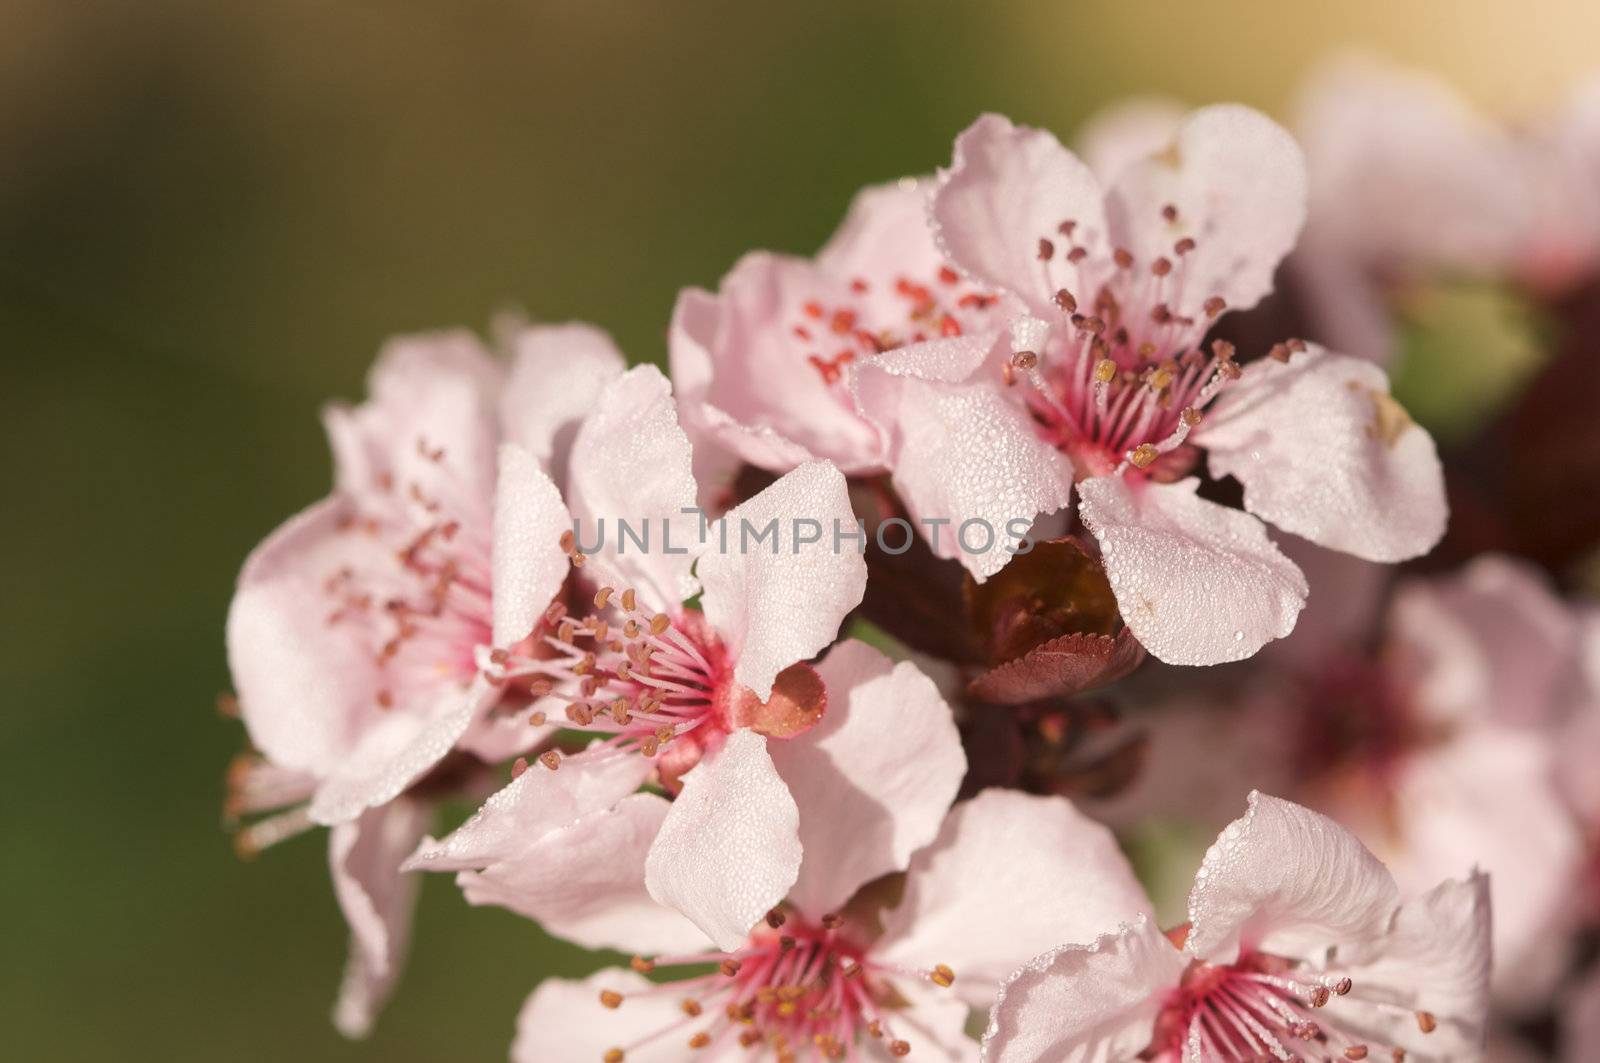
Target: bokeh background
<point>210,216</point>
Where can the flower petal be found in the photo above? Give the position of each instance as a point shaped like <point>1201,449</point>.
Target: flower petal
<point>306,690</point>
<point>1091,1003</point>
<point>933,1022</point>
<point>1197,583</point>
<point>780,599</point>
<point>564,1020</point>
<point>1324,452</point>
<point>631,463</point>
<point>961,449</point>
<point>730,848</point>
<point>1007,872</point>
<point>534,804</point>
<point>556,376</point>
<point>398,750</point>
<point>528,562</point>
<point>377,900</point>
<point>1285,880</point>
<point>1238,181</point>
<point>1128,133</point>
<point>1434,959</point>
<point>745,377</point>
<point>585,882</point>
<point>886,759</point>
<point>1009,187</point>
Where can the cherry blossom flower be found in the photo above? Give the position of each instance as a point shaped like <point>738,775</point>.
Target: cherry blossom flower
<point>359,629</point>
<point>1430,727</point>
<point>717,705</point>
<point>1297,945</point>
<point>1104,382</point>
<point>865,970</point>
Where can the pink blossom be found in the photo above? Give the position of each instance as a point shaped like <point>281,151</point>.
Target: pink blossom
<point>1103,382</point>
<point>360,627</point>
<point>856,974</point>
<point>1297,945</point>
<point>763,751</point>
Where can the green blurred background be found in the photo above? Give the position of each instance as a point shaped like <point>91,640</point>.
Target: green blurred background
<point>211,213</point>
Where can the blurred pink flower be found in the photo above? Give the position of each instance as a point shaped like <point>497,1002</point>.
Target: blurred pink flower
<point>1102,383</point>
<point>865,978</point>
<point>359,628</point>
<point>764,752</point>
<point>1297,945</point>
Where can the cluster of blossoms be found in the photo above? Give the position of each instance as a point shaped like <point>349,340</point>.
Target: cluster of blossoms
<point>842,800</point>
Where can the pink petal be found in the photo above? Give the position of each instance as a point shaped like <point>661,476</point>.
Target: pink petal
<point>1434,958</point>
<point>1198,583</point>
<point>585,882</point>
<point>884,236</point>
<point>961,448</point>
<point>730,848</point>
<point>1238,182</point>
<point>1085,1003</point>
<point>564,1020</point>
<point>1127,133</point>
<point>933,1022</point>
<point>1007,872</point>
<point>1007,188</point>
<point>306,690</point>
<point>398,750</point>
<point>529,564</point>
<point>1287,881</point>
<point>745,377</point>
<point>377,901</point>
<point>631,462</point>
<point>780,601</point>
<point>1324,452</point>
<point>556,376</point>
<point>1490,642</point>
<point>886,759</point>
<point>531,806</point>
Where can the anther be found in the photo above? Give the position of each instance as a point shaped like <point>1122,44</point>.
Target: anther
<point>1426,1022</point>
<point>611,998</point>
<point>1123,258</point>
<point>700,1040</point>
<point>1077,254</point>
<point>1184,246</point>
<point>691,1007</point>
<point>1046,250</point>
<point>1065,300</point>
<point>519,766</point>
<point>832,921</point>
<point>775,919</point>
<point>730,967</point>
<point>1169,212</point>
<point>642,965</point>
<point>1356,1052</point>
<point>601,597</point>
<point>1190,416</point>
<point>1319,996</point>
<point>629,599</point>
<point>899,1048</point>
<point>1343,986</point>
<point>1279,352</point>
<point>1215,306</point>
<point>659,623</point>
<point>1105,371</point>
<point>550,759</point>
<point>1144,455</point>
<point>1066,227</point>
<point>942,976</point>
<point>1025,359</point>
<point>537,719</point>
<point>613,1055</point>
<point>1161,267</point>
<point>1223,350</point>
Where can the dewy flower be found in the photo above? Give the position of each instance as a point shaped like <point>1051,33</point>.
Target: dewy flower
<point>860,974</point>
<point>763,751</point>
<point>1104,382</point>
<point>1297,947</point>
<point>359,629</point>
<point>761,367</point>
<point>1429,729</point>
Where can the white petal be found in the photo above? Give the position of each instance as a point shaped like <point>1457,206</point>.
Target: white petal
<point>886,759</point>
<point>1324,452</point>
<point>564,1020</point>
<point>779,600</point>
<point>1287,881</point>
<point>1007,188</point>
<point>1238,181</point>
<point>364,855</point>
<point>585,882</point>
<point>631,462</point>
<point>399,750</point>
<point>730,848</point>
<point>961,449</point>
<point>1198,583</point>
<point>528,562</point>
<point>557,374</point>
<point>1093,1003</point>
<point>1007,872</point>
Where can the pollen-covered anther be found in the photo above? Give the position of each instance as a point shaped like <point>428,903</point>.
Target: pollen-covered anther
<point>1047,249</point>
<point>730,967</point>
<point>942,976</point>
<point>1184,246</point>
<point>1161,267</point>
<point>1214,306</point>
<point>551,759</point>
<point>1025,359</point>
<point>1320,996</point>
<point>1065,300</point>
<point>1105,371</point>
<point>1143,455</point>
<point>614,1055</point>
<point>642,965</point>
<point>1169,213</point>
<point>537,719</point>
<point>1356,1052</point>
<point>601,597</point>
<point>519,766</point>
<point>610,998</point>
<point>1343,986</point>
<point>1123,258</point>
<point>1191,416</point>
<point>659,623</point>
<point>1426,1022</point>
<point>775,919</point>
<point>899,1048</point>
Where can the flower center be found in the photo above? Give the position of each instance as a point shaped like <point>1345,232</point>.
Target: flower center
<point>1262,1007</point>
<point>1125,379</point>
<point>421,612</point>
<point>797,990</point>
<point>873,317</point>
